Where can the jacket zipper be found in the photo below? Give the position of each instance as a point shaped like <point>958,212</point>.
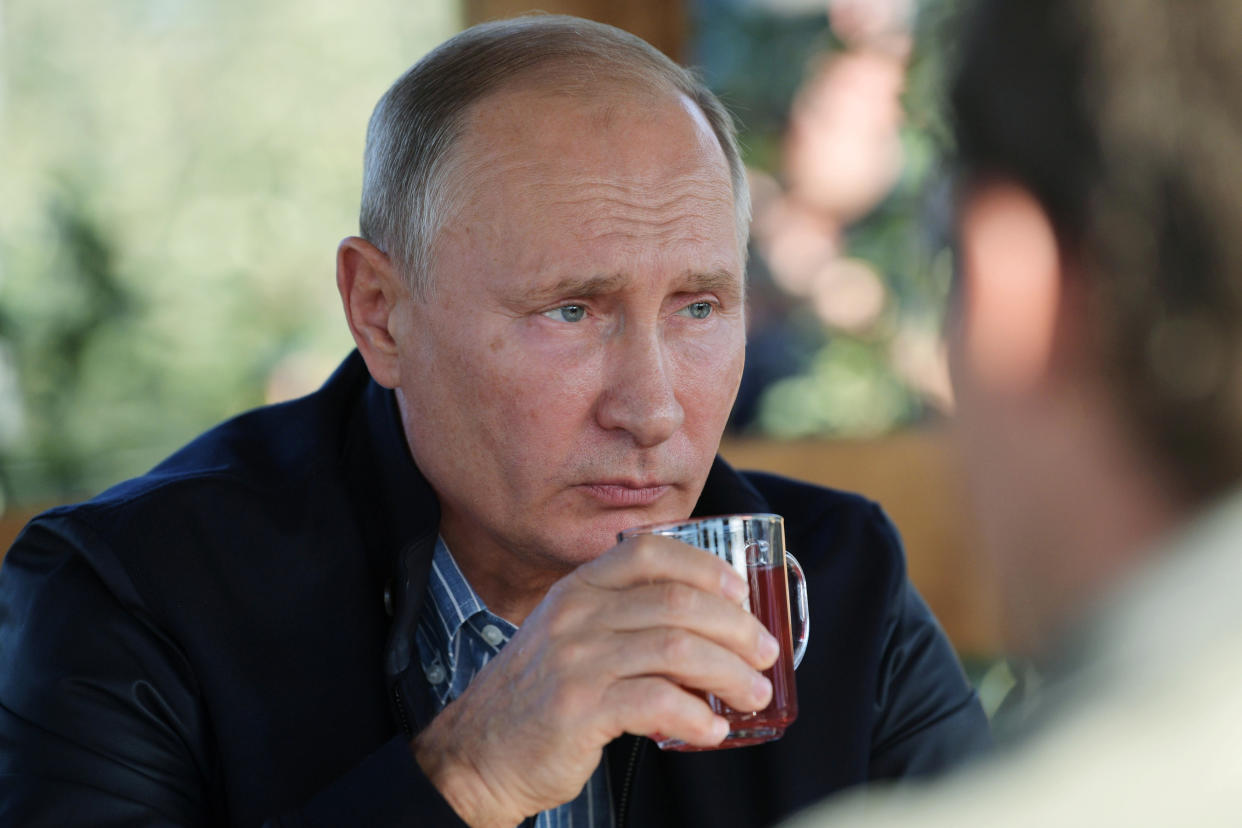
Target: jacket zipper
<point>400,705</point>
<point>624,804</point>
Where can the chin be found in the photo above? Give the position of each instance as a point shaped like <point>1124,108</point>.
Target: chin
<point>586,543</point>
<point>578,538</point>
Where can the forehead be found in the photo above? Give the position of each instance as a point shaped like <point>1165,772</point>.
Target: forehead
<point>606,132</point>
<point>641,168</point>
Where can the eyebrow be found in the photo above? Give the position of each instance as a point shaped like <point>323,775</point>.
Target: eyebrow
<point>584,287</point>
<point>720,281</point>
<point>717,281</point>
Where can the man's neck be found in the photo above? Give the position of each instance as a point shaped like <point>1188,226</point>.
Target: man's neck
<point>1105,505</point>
<point>509,583</point>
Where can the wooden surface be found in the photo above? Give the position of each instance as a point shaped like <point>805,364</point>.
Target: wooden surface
<point>662,23</point>
<point>11,523</point>
<point>914,477</point>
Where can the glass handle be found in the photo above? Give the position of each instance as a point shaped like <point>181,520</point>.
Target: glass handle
<point>803,632</point>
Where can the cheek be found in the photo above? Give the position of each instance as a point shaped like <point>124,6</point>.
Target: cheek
<point>709,371</point>
<point>463,387</point>
<point>534,388</point>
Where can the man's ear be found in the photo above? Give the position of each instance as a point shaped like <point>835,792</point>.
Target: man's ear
<point>371,291</point>
<point>1012,298</point>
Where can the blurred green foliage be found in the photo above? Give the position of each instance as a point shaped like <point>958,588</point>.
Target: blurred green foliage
<point>176,174</point>
<point>845,383</point>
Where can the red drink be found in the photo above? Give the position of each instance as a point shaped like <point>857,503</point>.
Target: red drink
<point>756,541</point>
<point>769,602</point>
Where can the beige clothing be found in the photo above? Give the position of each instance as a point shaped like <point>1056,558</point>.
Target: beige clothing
<point>1150,732</point>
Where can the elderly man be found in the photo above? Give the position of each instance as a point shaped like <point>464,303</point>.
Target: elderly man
<point>400,599</point>
<point>1098,358</point>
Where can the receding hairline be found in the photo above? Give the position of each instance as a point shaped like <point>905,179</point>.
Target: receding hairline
<point>609,95</point>
<point>428,110</point>
<point>463,160</point>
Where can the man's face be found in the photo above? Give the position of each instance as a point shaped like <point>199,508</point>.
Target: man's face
<point>571,372</point>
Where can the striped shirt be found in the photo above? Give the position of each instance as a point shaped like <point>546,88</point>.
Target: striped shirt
<point>456,636</point>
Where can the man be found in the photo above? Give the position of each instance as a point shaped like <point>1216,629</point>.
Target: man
<point>399,600</point>
<point>1097,354</point>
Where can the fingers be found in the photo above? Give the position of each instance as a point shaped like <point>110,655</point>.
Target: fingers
<point>691,661</point>
<point>649,558</point>
<point>676,605</point>
<point>649,704</point>
<point>628,642</point>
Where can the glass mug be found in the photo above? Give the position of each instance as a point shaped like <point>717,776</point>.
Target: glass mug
<point>754,545</point>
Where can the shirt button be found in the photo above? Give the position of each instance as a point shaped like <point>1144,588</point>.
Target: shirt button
<point>492,635</point>
<point>435,674</point>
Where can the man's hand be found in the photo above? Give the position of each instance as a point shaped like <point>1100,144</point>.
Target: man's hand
<point>611,649</point>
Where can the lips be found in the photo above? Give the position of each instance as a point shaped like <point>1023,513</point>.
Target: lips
<point>623,495</point>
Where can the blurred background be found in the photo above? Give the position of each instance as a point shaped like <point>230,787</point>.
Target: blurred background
<point>176,175</point>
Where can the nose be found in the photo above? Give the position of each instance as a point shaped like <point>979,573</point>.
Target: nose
<point>640,394</point>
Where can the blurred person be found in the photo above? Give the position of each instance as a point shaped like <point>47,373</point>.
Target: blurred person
<point>842,156</point>
<point>842,151</point>
<point>873,24</point>
<point>399,600</point>
<point>1096,349</point>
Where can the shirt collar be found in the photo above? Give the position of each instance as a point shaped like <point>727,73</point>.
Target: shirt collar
<point>456,633</point>
<point>452,600</point>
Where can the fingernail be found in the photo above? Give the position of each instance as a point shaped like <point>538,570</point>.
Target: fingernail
<point>720,729</point>
<point>734,587</point>
<point>761,689</point>
<point>769,647</point>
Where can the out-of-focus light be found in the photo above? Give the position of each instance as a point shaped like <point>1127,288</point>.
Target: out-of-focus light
<point>843,151</point>
<point>920,358</point>
<point>848,294</point>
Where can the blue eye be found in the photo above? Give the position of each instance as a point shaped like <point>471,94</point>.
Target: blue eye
<point>697,310</point>
<point>567,313</point>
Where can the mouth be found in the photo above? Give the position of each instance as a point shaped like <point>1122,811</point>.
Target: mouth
<point>624,494</point>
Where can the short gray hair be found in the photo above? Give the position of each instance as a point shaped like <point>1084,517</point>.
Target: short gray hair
<point>416,124</point>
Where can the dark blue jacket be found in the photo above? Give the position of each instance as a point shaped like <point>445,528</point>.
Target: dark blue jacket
<point>210,644</point>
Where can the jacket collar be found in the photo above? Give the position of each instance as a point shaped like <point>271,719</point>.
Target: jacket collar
<point>393,501</point>
<point>727,492</point>
<point>398,514</point>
